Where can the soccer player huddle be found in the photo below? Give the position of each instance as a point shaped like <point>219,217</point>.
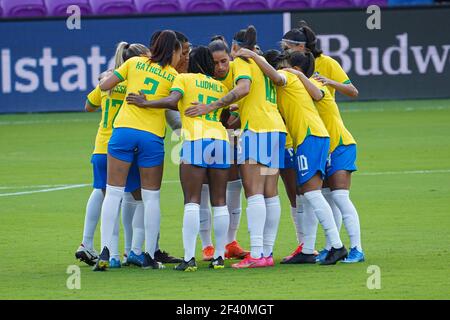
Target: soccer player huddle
<point>245,119</point>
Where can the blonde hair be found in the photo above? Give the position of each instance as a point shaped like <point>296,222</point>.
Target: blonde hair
<point>125,51</point>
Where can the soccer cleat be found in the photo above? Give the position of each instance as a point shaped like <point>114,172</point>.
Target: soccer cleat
<point>217,263</point>
<point>234,251</point>
<point>250,262</point>
<point>88,256</point>
<point>150,263</point>
<point>208,253</point>
<point>334,255</point>
<point>354,256</point>
<point>296,251</point>
<point>322,255</point>
<point>125,262</point>
<point>102,263</point>
<point>269,261</point>
<point>301,258</point>
<point>114,263</point>
<point>164,257</point>
<point>187,266</point>
<point>134,259</point>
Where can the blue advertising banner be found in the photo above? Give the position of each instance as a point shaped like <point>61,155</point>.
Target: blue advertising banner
<point>46,67</point>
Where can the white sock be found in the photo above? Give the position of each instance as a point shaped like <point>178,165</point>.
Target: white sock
<point>234,208</point>
<point>110,211</point>
<point>93,212</point>
<point>114,251</point>
<point>221,224</point>
<point>256,216</point>
<point>191,227</point>
<point>152,219</point>
<point>336,213</point>
<point>295,214</point>
<point>324,214</point>
<point>205,218</point>
<point>138,228</point>
<point>308,226</point>
<point>128,209</point>
<point>350,217</point>
<point>273,214</point>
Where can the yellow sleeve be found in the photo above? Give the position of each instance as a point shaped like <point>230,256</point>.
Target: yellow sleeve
<point>94,98</point>
<point>179,84</point>
<point>122,71</point>
<point>241,70</point>
<point>337,73</point>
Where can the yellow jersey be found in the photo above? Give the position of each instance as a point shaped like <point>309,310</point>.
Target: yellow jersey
<point>289,141</point>
<point>298,110</point>
<point>331,117</point>
<point>258,110</point>
<point>331,69</point>
<point>155,82</point>
<point>110,104</point>
<point>199,87</point>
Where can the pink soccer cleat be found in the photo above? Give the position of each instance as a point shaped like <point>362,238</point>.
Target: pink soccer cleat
<point>269,261</point>
<point>250,262</point>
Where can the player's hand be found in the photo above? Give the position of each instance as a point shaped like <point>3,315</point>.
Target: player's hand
<point>197,109</point>
<point>323,80</point>
<point>245,53</point>
<point>138,100</point>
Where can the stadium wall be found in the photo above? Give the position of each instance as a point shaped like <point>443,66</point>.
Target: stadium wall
<point>46,67</point>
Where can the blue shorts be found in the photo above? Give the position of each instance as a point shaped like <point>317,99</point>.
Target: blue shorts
<point>126,143</point>
<point>206,153</point>
<point>99,166</point>
<point>311,157</point>
<point>289,158</point>
<point>266,148</point>
<point>342,158</point>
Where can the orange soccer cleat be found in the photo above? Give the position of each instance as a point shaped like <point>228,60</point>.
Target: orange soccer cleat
<point>234,251</point>
<point>296,251</point>
<point>208,253</point>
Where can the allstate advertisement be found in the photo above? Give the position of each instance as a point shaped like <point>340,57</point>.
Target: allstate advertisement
<point>45,66</point>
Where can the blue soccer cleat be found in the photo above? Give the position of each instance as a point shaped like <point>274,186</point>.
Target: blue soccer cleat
<point>354,256</point>
<point>137,260</point>
<point>114,263</point>
<point>322,255</point>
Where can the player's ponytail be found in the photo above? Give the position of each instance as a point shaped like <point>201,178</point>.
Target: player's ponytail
<point>311,38</point>
<point>303,60</point>
<point>164,47</point>
<point>246,38</point>
<point>118,57</point>
<point>201,61</point>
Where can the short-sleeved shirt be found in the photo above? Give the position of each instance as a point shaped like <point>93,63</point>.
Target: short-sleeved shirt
<point>110,103</point>
<point>258,110</point>
<point>298,110</point>
<point>331,117</point>
<point>155,82</point>
<point>199,87</point>
<point>331,69</point>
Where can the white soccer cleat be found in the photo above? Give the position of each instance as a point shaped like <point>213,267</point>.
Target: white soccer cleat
<point>88,256</point>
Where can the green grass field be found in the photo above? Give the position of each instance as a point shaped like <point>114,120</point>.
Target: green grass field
<point>402,193</point>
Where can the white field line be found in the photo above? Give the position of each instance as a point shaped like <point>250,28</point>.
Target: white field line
<point>75,186</point>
